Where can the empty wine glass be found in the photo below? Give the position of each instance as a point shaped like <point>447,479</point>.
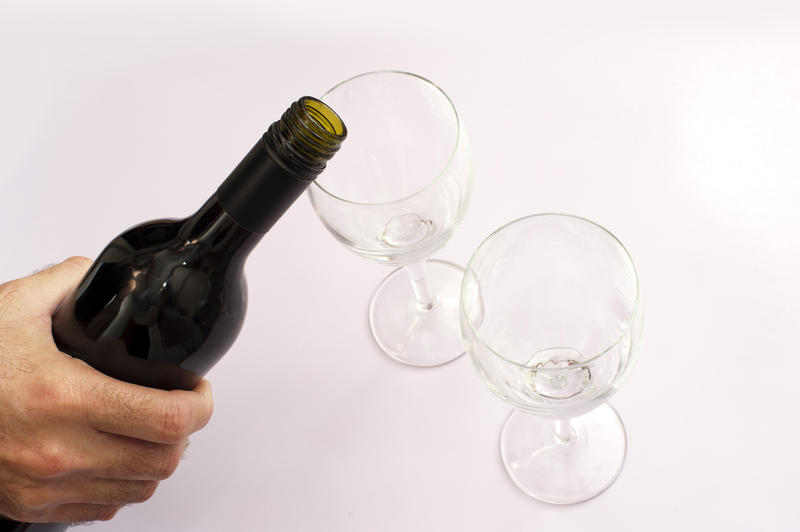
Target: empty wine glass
<point>551,317</point>
<point>394,194</point>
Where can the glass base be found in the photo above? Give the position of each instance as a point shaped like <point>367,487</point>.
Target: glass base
<point>414,335</point>
<point>564,472</point>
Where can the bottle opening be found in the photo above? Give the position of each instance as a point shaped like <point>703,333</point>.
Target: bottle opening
<point>324,116</point>
<point>308,134</point>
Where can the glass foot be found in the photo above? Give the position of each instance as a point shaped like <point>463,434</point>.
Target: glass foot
<point>559,471</point>
<point>410,333</point>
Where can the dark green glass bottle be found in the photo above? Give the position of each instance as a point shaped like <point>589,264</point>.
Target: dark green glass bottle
<point>166,299</point>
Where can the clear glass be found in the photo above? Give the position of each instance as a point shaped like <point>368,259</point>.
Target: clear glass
<point>551,316</point>
<point>395,193</point>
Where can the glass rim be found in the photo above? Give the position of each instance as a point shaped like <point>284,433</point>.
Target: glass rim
<point>438,176</point>
<point>634,314</point>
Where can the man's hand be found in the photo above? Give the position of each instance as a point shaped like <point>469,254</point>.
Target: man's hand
<point>76,445</point>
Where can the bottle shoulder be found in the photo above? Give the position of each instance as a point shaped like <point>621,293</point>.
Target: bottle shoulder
<point>153,265</point>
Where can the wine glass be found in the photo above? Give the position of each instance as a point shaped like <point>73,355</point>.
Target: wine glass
<point>394,194</point>
<point>551,317</point>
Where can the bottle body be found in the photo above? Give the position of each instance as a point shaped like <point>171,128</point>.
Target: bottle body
<point>163,301</point>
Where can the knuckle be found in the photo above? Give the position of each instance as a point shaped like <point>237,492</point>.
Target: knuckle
<point>93,512</point>
<point>49,466</point>
<point>208,413</point>
<point>175,422</point>
<point>147,490</point>
<point>32,501</point>
<point>11,293</point>
<point>79,265</point>
<point>26,515</point>
<point>106,513</point>
<point>125,465</point>
<point>22,501</point>
<point>79,262</point>
<point>47,462</point>
<point>49,394</point>
<point>132,492</point>
<point>168,464</point>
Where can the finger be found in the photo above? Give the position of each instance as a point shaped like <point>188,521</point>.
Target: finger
<point>106,492</point>
<point>43,268</point>
<point>80,513</point>
<point>122,458</point>
<point>149,414</point>
<point>49,287</point>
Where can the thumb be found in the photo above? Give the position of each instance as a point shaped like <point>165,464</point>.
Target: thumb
<point>49,287</point>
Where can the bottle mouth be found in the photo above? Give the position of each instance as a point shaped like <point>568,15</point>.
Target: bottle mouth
<point>306,137</point>
<point>324,116</point>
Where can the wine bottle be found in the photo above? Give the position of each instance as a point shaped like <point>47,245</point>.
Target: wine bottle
<point>166,299</point>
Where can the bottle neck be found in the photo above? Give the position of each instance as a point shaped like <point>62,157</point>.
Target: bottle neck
<point>212,228</point>
<point>282,164</point>
<point>260,189</point>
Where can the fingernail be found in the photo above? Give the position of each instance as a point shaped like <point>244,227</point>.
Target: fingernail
<point>45,267</point>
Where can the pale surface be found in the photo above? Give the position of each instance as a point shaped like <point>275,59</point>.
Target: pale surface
<point>676,127</point>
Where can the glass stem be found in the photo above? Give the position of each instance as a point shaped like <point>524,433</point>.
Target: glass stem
<point>563,431</point>
<point>416,272</point>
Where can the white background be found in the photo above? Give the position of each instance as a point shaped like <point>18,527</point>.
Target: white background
<point>676,125</point>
